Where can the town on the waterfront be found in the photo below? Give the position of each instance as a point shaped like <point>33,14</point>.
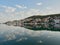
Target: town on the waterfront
<point>37,22</point>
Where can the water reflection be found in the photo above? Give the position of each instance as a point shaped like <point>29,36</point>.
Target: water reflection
<point>10,35</point>
<point>43,26</point>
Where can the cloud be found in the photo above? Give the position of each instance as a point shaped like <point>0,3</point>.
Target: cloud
<point>22,39</point>
<point>10,37</point>
<point>33,12</point>
<point>18,33</point>
<point>40,3</point>
<point>22,34</point>
<point>40,41</point>
<point>27,13</point>
<point>48,8</point>
<point>3,6</point>
<point>11,13</point>
<point>8,9</point>
<point>21,6</point>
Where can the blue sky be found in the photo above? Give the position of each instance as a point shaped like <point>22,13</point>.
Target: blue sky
<point>19,9</point>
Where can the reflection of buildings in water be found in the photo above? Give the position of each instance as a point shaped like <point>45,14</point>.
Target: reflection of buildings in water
<point>44,23</point>
<point>57,23</point>
<point>57,20</point>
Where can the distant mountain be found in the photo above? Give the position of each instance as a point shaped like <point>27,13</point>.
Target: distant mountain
<point>38,22</point>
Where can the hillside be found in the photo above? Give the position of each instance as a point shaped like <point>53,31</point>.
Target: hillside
<point>37,22</point>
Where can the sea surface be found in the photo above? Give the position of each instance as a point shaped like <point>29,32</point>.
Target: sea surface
<point>11,35</point>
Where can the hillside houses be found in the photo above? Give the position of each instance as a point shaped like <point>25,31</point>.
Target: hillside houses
<point>38,22</point>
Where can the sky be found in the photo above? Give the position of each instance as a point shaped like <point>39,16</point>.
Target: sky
<point>20,9</point>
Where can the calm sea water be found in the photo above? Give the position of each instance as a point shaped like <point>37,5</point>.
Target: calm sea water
<point>10,35</point>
